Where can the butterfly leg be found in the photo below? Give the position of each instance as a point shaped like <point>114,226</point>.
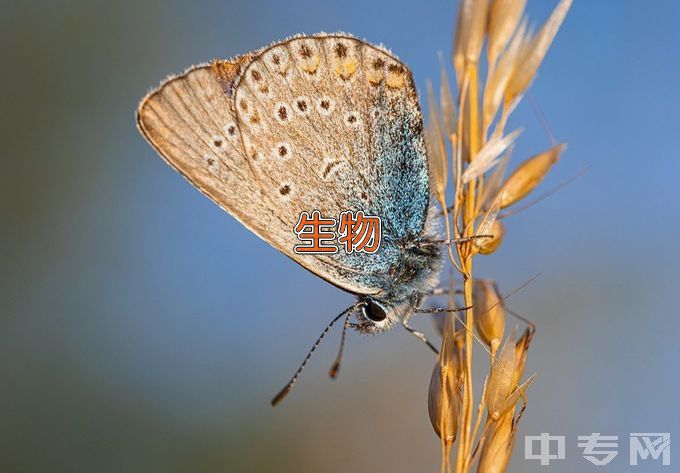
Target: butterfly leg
<point>439,310</point>
<point>419,335</point>
<point>456,241</point>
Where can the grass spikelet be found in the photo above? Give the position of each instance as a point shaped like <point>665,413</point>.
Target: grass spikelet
<point>475,39</point>
<point>499,76</point>
<point>493,182</point>
<point>489,246</point>
<point>436,149</point>
<point>532,54</point>
<point>529,175</point>
<point>488,156</point>
<point>504,16</point>
<point>489,312</point>
<point>461,37</point>
<point>443,395</point>
<point>503,391</point>
<point>447,103</point>
<point>443,412</point>
<point>497,448</point>
<point>486,224</point>
<point>469,129</point>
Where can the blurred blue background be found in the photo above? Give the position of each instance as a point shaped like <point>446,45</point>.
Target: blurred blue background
<point>144,330</point>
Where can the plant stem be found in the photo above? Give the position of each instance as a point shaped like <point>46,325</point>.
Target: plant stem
<point>469,398</point>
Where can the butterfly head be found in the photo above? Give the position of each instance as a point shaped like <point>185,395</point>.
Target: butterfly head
<point>376,315</point>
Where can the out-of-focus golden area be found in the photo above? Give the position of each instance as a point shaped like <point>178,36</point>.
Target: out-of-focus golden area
<point>142,329</point>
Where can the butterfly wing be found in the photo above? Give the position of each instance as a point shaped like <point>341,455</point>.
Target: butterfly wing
<point>337,124</point>
<point>313,123</point>
<point>189,121</point>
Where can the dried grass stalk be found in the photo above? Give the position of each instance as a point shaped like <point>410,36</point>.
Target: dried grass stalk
<point>470,127</point>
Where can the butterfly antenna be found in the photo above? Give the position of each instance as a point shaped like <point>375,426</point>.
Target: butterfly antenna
<point>288,387</point>
<point>333,372</point>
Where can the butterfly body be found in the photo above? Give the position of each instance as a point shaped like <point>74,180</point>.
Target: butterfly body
<point>327,123</point>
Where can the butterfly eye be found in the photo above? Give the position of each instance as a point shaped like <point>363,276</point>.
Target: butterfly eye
<point>374,312</point>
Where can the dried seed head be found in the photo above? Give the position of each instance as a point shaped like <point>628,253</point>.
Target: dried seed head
<point>521,350</point>
<point>501,437</point>
<point>489,312</point>
<point>484,229</point>
<point>460,39</point>
<point>529,175</point>
<point>490,245</point>
<point>532,54</point>
<point>478,21</point>
<point>447,102</point>
<point>443,402</point>
<point>501,380</point>
<point>436,150</point>
<point>498,446</point>
<point>493,181</point>
<point>470,32</point>
<point>494,92</point>
<point>504,16</point>
<point>489,155</point>
<point>503,390</point>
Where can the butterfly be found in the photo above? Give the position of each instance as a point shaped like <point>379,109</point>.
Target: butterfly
<point>327,123</point>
